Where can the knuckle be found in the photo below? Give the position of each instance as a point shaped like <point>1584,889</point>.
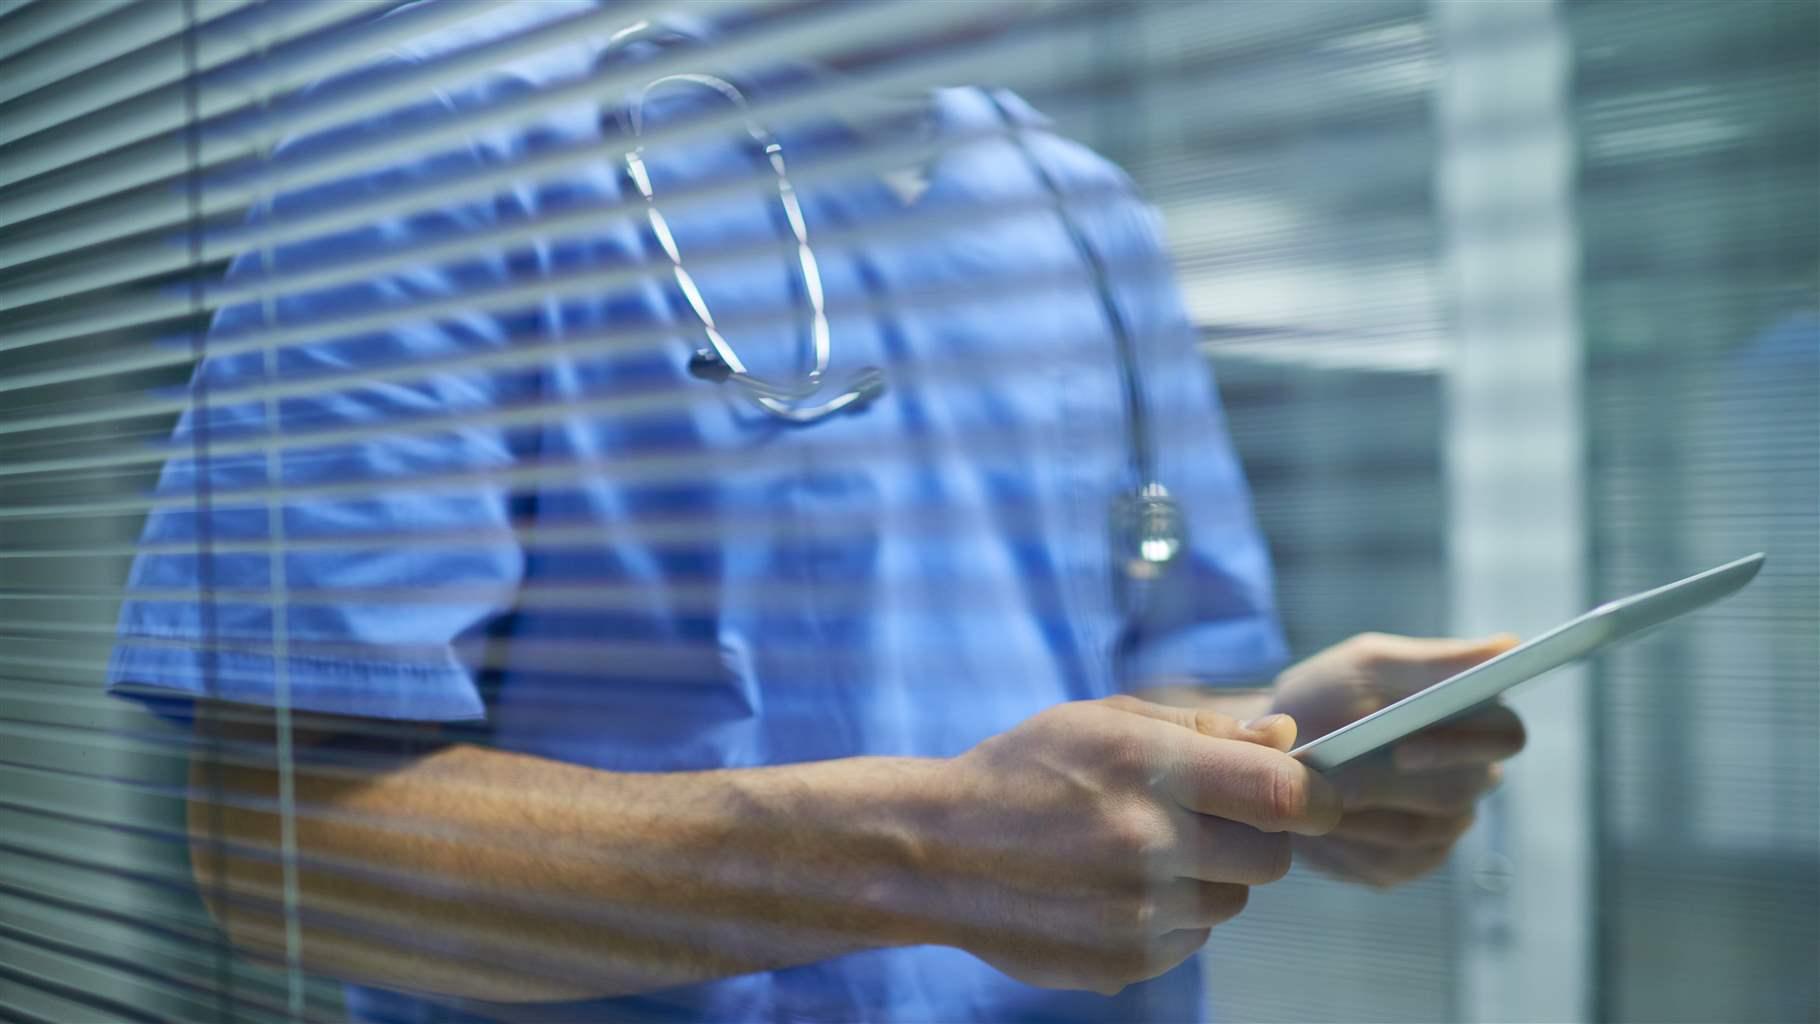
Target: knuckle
<point>1285,794</point>
<point>1050,724</point>
<point>1369,646</point>
<point>1076,716</point>
<point>1143,914</point>
<point>1212,723</point>
<point>1133,832</point>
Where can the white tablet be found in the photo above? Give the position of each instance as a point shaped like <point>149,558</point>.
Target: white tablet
<point>1588,634</point>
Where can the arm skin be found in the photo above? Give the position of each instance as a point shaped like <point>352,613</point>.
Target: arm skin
<point>1093,846</point>
<point>540,881</point>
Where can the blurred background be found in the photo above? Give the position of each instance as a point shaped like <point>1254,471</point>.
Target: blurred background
<point>1514,307</point>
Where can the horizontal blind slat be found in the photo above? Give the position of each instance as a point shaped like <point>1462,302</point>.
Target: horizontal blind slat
<point>60,177</point>
<point>169,210</point>
<point>42,23</point>
<point>467,244</point>
<point>188,967</point>
<point>105,51</point>
<point>982,60</point>
<point>94,969</point>
<point>76,996</point>
<point>57,95</point>
<point>159,256</point>
<point>521,292</point>
<point>190,958</point>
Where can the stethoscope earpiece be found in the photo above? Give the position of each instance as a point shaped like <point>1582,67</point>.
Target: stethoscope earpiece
<point>706,365</point>
<point>869,389</point>
<point>792,401</point>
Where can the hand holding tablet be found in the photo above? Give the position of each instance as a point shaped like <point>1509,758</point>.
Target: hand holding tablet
<point>1589,634</point>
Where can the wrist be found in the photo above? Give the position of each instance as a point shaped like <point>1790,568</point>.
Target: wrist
<point>917,820</point>
<point>871,829</point>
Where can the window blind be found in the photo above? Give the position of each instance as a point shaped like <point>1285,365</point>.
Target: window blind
<point>144,151</point>
<point>1701,249</point>
<point>190,185</point>
<point>1318,298</point>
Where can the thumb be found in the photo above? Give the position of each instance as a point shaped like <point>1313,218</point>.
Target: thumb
<point>1277,730</point>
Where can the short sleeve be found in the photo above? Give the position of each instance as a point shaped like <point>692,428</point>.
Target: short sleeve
<point>1213,617</point>
<point>334,526</point>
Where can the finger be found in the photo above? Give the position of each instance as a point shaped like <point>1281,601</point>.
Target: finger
<point>1441,652</point>
<point>1271,730</point>
<point>1376,865</point>
<point>1275,730</point>
<point>1217,850</point>
<point>1374,783</point>
<point>1170,949</point>
<point>1157,957</point>
<point>1492,734</point>
<point>1411,663</point>
<point>1328,860</point>
<point>1190,903</point>
<point>1251,784</point>
<point>1401,830</point>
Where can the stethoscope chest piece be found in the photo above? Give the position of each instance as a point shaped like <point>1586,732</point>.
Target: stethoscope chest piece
<point>1148,533</point>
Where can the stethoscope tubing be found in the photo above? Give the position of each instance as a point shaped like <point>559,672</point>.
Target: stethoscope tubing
<point>1147,522</point>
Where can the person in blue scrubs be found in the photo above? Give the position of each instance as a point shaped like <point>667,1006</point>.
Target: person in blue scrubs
<point>612,697</point>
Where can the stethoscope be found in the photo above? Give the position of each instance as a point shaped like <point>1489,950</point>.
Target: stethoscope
<point>1147,527</point>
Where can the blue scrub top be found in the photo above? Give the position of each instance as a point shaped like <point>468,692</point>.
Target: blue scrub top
<point>590,555</point>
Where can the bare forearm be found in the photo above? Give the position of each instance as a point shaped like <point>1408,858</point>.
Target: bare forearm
<point>489,875</point>
<point>1090,846</point>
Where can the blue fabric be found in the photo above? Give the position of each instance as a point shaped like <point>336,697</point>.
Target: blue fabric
<point>664,578</point>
